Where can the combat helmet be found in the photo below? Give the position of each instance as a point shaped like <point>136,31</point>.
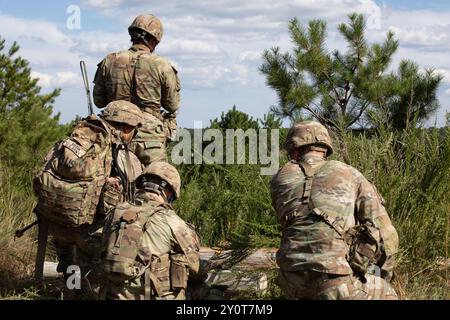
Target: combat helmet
<point>163,170</point>
<point>148,23</point>
<point>308,133</point>
<point>123,112</point>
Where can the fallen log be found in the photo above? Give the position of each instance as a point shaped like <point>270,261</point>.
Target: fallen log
<point>245,259</point>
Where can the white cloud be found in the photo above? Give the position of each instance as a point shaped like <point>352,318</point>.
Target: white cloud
<point>424,36</point>
<point>218,44</point>
<point>59,79</point>
<point>104,4</point>
<point>36,30</point>
<point>191,46</point>
<point>209,76</point>
<point>43,43</point>
<point>45,80</point>
<point>445,73</point>
<point>249,56</point>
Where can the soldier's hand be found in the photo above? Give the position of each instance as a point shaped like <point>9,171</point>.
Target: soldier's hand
<point>114,182</point>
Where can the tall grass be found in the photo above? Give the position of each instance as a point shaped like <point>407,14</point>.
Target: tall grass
<point>16,205</point>
<point>412,172</point>
<point>229,204</point>
<point>231,207</point>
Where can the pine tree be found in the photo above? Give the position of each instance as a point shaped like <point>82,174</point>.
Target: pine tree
<point>342,90</point>
<point>234,119</point>
<point>27,126</point>
<point>271,121</point>
<point>411,96</point>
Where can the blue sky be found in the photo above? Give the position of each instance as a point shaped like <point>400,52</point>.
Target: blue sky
<point>216,45</point>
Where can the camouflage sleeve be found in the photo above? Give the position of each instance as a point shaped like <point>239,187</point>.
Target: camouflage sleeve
<point>370,208</point>
<point>170,89</point>
<point>99,92</point>
<point>186,239</point>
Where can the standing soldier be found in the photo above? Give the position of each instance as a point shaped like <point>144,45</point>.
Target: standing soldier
<point>336,231</point>
<point>148,250</point>
<point>84,176</point>
<point>147,80</point>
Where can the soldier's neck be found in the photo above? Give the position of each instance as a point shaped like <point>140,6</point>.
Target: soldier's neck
<point>141,47</point>
<point>312,157</point>
<point>144,197</point>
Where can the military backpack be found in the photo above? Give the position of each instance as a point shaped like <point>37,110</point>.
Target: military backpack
<point>69,185</point>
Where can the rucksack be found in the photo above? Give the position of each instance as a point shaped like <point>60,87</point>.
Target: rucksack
<point>123,256</point>
<point>69,185</point>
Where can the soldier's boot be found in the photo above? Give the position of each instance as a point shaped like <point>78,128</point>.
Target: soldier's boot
<point>369,287</point>
<point>66,253</point>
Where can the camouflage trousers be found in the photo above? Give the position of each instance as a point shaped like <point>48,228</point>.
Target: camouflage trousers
<point>79,247</point>
<point>149,143</point>
<point>321,286</point>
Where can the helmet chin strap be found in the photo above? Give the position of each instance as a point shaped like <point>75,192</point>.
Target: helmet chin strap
<point>158,189</point>
<point>141,36</point>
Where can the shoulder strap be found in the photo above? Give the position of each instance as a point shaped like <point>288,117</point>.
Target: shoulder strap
<point>310,173</point>
<point>134,61</point>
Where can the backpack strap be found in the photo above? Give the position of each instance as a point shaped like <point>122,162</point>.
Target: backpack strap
<point>134,61</point>
<point>332,222</point>
<point>150,280</point>
<point>307,202</point>
<point>309,172</point>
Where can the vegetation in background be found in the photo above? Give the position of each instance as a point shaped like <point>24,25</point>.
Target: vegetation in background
<point>347,89</point>
<point>27,130</point>
<point>230,204</point>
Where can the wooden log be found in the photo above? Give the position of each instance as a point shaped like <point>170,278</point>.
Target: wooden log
<point>246,259</point>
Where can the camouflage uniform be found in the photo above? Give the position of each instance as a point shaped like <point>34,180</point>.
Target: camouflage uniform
<point>150,82</point>
<point>81,244</point>
<point>156,242</point>
<point>318,204</point>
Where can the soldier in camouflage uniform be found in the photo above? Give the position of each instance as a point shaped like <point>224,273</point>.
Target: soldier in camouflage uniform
<point>112,165</point>
<point>148,250</point>
<point>336,231</point>
<point>147,80</point>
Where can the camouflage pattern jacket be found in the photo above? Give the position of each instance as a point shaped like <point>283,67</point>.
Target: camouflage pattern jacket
<point>342,192</point>
<point>159,237</point>
<point>138,76</point>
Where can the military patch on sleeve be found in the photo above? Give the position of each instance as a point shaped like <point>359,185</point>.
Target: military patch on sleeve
<point>75,148</point>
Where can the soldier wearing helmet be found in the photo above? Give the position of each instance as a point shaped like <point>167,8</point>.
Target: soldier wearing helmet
<point>96,152</point>
<point>338,241</point>
<point>147,80</point>
<point>124,119</point>
<point>160,252</point>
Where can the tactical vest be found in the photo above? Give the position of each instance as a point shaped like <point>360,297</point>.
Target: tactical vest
<point>68,187</point>
<point>124,257</point>
<point>363,241</point>
<point>122,83</point>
